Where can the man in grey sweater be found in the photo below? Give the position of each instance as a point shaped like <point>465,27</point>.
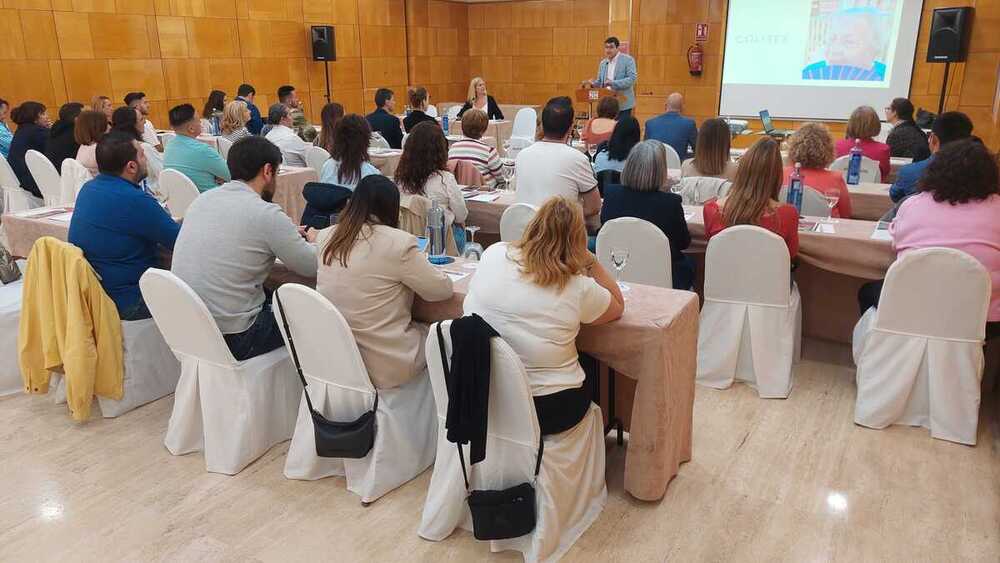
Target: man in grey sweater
<point>227,246</point>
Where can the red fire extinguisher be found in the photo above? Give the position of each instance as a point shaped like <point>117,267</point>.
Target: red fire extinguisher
<point>696,56</point>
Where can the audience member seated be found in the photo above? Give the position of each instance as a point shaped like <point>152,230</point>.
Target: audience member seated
<point>712,158</point>
<point>625,136</point>
<point>103,105</point>
<point>88,130</point>
<point>349,161</point>
<point>371,270</point>
<point>301,125</point>
<point>550,167</point>
<point>753,198</point>
<point>32,133</point>
<point>230,240</point>
<point>214,108</point>
<point>423,170</point>
<point>121,246</point>
<point>62,142</point>
<point>383,121</point>
<point>644,194</point>
<point>812,147</point>
<point>536,293</point>
<point>191,157</point>
<point>472,149</point>
<point>130,121</point>
<point>480,100</point>
<point>420,100</point>
<point>673,128</point>
<point>948,127</point>
<point>598,130</point>
<point>6,136</point>
<point>138,101</point>
<point>293,148</point>
<point>906,139</point>
<point>234,121</point>
<point>864,126</point>
<point>330,115</point>
<point>245,93</point>
<point>957,206</point>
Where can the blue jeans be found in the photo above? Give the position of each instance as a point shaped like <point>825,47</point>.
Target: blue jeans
<point>260,338</point>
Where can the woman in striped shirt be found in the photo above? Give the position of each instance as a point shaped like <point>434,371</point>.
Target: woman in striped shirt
<point>471,149</point>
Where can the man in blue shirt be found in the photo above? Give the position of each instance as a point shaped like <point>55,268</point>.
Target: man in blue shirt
<point>191,157</point>
<point>674,129</point>
<point>949,126</point>
<point>119,226</point>
<point>245,93</point>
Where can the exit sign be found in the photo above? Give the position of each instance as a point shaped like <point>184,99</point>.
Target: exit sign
<point>701,32</point>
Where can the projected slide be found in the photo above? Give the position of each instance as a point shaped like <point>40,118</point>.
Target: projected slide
<point>817,58</point>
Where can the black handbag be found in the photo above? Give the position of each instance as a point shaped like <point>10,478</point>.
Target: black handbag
<point>348,440</point>
<point>502,514</point>
<point>9,272</point>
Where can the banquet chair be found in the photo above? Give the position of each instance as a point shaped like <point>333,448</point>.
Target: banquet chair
<point>166,138</point>
<point>378,141</point>
<point>813,202</point>
<point>514,220</point>
<point>649,251</point>
<point>74,175</point>
<point>341,390</point>
<point>751,324</point>
<point>154,166</point>
<point>15,198</point>
<point>453,111</point>
<point>466,173</point>
<point>920,360</point>
<point>570,491</point>
<point>870,172</point>
<point>233,411</point>
<point>316,157</point>
<point>607,178</point>
<point>413,219</point>
<point>224,146</point>
<point>402,144</point>
<point>179,191</point>
<point>432,111</point>
<point>46,177</point>
<point>699,190</point>
<point>10,317</point>
<point>673,159</point>
<point>522,134</point>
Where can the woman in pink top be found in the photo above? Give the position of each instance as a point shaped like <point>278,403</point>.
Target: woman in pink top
<point>865,126</point>
<point>812,147</point>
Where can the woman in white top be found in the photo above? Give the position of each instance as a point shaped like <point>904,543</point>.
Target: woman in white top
<point>349,161</point>
<point>536,293</point>
<point>423,170</point>
<point>88,129</point>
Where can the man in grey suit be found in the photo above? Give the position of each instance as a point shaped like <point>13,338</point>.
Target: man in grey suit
<point>618,74</point>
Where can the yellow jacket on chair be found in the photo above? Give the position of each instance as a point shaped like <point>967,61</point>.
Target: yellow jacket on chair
<point>69,324</point>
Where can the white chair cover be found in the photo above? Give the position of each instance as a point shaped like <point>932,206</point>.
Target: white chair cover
<point>224,146</point>
<point>920,359</point>
<point>813,202</point>
<point>233,411</point>
<point>673,159</point>
<point>10,317</point>
<point>316,157</point>
<point>179,191</point>
<point>340,389</point>
<point>870,172</point>
<point>166,138</point>
<point>377,142</point>
<point>649,251</point>
<point>452,112</point>
<point>514,220</point>
<point>45,175</point>
<point>522,134</point>
<point>154,165</point>
<point>74,176</point>
<point>570,490</point>
<point>751,324</point>
<point>403,142</point>
<point>15,198</point>
<point>884,130</point>
<point>697,190</point>
<point>432,111</point>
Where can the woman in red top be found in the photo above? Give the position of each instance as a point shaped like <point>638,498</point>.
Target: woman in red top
<point>812,147</point>
<point>753,198</point>
<point>599,129</point>
<point>864,125</point>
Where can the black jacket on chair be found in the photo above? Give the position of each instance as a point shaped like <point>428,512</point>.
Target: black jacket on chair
<point>492,109</point>
<point>387,125</point>
<point>61,144</point>
<point>415,118</point>
<point>469,384</point>
<point>322,200</point>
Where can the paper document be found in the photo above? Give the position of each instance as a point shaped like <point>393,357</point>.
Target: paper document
<point>455,276</point>
<point>825,228</point>
<point>881,234</point>
<point>485,197</point>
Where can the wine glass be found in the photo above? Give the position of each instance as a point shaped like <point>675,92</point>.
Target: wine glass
<point>832,199</point>
<point>619,258</point>
<point>591,151</point>
<point>473,250</point>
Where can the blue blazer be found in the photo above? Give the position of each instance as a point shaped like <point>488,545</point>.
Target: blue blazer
<point>623,82</point>
<point>675,130</point>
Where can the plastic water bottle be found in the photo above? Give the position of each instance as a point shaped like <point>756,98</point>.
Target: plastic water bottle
<point>216,125</point>
<point>444,124</point>
<point>854,167</point>
<point>435,233</point>
<point>795,188</point>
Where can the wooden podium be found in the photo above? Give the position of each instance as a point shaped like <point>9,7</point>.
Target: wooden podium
<point>592,95</point>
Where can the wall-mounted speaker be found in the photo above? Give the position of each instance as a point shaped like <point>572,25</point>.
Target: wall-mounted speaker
<point>950,32</point>
<point>323,44</point>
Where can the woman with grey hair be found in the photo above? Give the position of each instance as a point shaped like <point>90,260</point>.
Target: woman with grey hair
<point>644,193</point>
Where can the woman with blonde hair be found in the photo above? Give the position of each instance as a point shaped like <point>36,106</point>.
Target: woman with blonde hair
<point>103,105</point>
<point>234,120</point>
<point>479,99</point>
<point>753,198</point>
<point>862,127</point>
<point>537,292</point>
<point>811,146</point>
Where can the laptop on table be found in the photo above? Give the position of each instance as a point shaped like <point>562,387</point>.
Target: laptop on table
<point>765,119</point>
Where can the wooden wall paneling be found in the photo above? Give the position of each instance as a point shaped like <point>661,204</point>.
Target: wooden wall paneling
<point>28,4</point>
<point>137,75</point>
<point>73,35</point>
<point>172,35</point>
<point>211,37</point>
<point>12,46</point>
<point>140,7</point>
<point>119,36</point>
<point>40,28</point>
<point>86,79</point>
<point>96,6</point>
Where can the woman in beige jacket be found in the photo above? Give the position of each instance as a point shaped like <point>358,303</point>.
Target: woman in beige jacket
<point>370,270</point>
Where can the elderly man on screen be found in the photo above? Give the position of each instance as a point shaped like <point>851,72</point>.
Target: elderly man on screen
<point>617,73</point>
<point>854,42</point>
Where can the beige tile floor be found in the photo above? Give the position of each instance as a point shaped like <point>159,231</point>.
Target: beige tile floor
<point>773,480</point>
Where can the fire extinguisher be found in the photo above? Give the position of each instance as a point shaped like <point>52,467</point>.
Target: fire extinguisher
<point>696,56</point>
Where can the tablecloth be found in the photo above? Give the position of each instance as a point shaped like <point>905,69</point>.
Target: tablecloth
<point>869,201</point>
<point>288,192</point>
<point>386,161</point>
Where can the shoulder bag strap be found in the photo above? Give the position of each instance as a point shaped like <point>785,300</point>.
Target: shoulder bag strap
<point>447,376</point>
<point>295,355</point>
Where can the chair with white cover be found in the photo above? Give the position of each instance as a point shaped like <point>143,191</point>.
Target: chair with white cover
<point>166,138</point>
<point>570,490</point>
<point>673,159</point>
<point>870,172</point>
<point>316,157</point>
<point>179,191</point>
<point>340,389</point>
<point>432,111</point>
<point>15,198</point>
<point>522,134</point>
<point>514,220</point>
<point>233,411</point>
<point>751,324</point>
<point>813,202</point>
<point>402,143</point>
<point>452,112</point>
<point>154,167</point>
<point>224,146</point>
<point>920,353</point>
<point>73,176</point>
<point>46,176</point>
<point>698,190</point>
<point>10,318</point>
<point>649,251</point>
<point>377,142</point>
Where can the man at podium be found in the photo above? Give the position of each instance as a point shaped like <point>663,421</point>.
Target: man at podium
<point>617,73</point>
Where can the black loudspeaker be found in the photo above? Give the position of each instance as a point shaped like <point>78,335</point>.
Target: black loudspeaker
<point>950,32</point>
<point>323,43</point>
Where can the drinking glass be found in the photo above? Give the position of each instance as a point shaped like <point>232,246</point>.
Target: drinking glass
<point>619,258</point>
<point>473,250</point>
<point>591,152</point>
<point>832,199</point>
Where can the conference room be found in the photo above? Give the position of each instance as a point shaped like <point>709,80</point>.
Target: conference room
<point>579,280</point>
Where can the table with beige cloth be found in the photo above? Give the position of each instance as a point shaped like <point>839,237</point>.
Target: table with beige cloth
<point>386,160</point>
<point>288,191</point>
<point>22,231</point>
<point>869,201</point>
